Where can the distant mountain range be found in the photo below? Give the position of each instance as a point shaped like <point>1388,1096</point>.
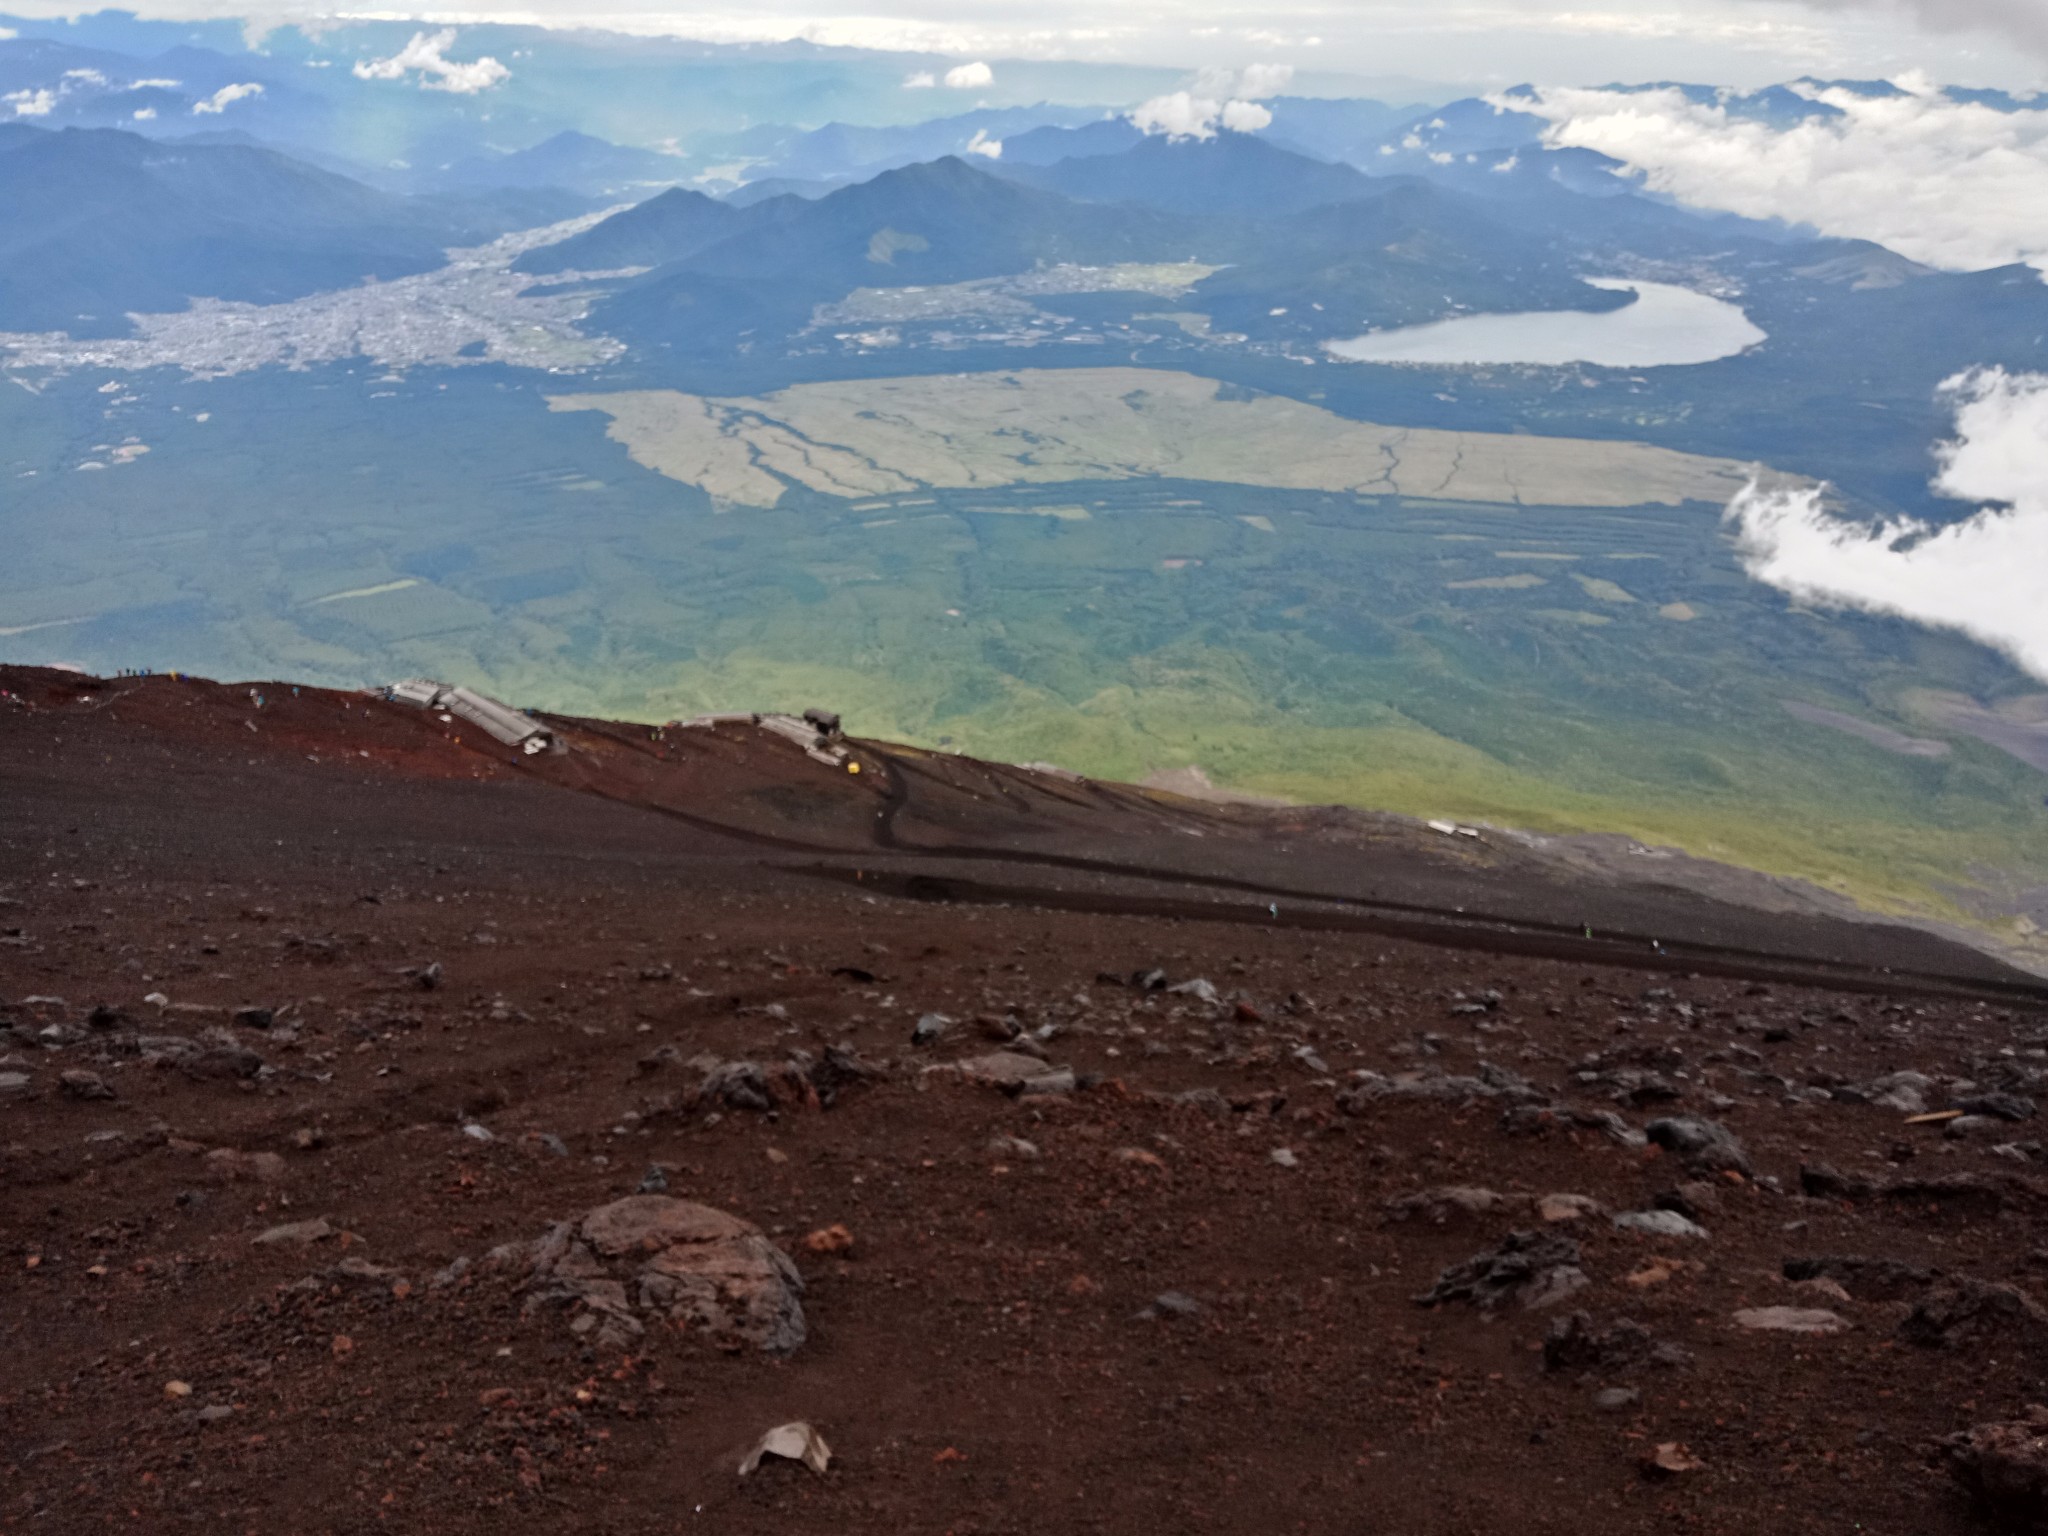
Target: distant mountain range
<point>96,224</point>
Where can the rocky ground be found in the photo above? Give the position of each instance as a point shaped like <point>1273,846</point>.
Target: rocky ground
<point>396,1136</point>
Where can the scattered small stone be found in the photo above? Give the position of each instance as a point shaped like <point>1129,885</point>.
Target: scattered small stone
<point>833,1239</point>
<point>1285,1157</point>
<point>79,1084</point>
<point>255,1018</point>
<point>14,1085</point>
<point>1013,1146</point>
<point>930,1028</point>
<point>1174,1304</point>
<point>1616,1399</point>
<point>213,1413</point>
<point>654,1181</point>
<point>477,1132</point>
<point>177,1389</point>
<point>1557,1208</point>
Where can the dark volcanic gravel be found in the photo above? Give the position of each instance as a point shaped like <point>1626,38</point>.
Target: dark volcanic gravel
<point>395,1011</point>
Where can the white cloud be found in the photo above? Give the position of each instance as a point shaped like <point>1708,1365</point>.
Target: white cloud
<point>1260,81</point>
<point>8,34</point>
<point>226,97</point>
<point>1186,115</point>
<point>2024,21</point>
<point>969,77</point>
<point>1181,115</point>
<point>1950,183</point>
<point>145,114</point>
<point>426,56</point>
<point>30,103</point>
<point>84,77</point>
<point>982,144</point>
<point>152,85</point>
<point>920,80</point>
<point>1986,576</point>
<point>1245,116</point>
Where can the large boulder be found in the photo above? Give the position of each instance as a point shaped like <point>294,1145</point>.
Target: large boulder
<point>2006,1467</point>
<point>652,1259</point>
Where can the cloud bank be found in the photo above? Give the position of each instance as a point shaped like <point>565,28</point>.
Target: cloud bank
<point>426,57</point>
<point>1986,576</point>
<point>226,97</point>
<point>2024,21</point>
<point>1957,184</point>
<point>969,77</point>
<point>1227,98</point>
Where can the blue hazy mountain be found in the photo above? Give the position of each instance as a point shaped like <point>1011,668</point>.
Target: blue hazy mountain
<point>941,222</point>
<point>96,223</point>
<point>1229,173</point>
<point>576,161</point>
<point>667,227</point>
<point>1049,146</point>
<point>1392,259</point>
<point>851,150</point>
<point>1348,130</point>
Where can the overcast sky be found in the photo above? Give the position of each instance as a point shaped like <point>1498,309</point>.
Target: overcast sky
<point>1736,42</point>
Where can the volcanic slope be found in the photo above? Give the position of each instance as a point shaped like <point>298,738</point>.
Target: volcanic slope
<point>319,1013</point>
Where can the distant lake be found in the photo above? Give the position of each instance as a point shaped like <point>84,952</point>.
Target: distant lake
<point>1666,326</point>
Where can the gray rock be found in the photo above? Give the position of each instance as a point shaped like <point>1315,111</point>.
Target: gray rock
<point>737,1085</point>
<point>1533,1269</point>
<point>1174,1304</point>
<point>1999,1106</point>
<point>650,1257</point>
<point>1448,1202</point>
<point>1660,1224</point>
<point>1964,1127</point>
<point>14,1085</point>
<point>1865,1279</point>
<point>1803,1320</point>
<point>2005,1467</point>
<point>1706,1145</point>
<point>297,1234</point>
<point>930,1028</point>
<point>1617,1399</point>
<point>1969,1311</point>
<point>1013,1072</point>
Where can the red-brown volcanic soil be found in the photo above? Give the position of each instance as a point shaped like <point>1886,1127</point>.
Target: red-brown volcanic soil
<point>1171,1285</point>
